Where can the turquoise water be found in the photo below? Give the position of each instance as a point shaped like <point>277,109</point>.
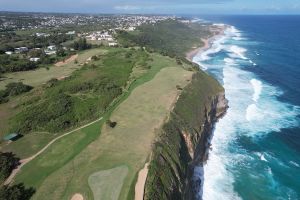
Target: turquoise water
<point>256,146</point>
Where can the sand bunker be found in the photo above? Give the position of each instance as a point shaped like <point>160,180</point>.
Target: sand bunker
<point>77,196</point>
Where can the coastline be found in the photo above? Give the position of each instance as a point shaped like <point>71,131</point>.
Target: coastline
<point>196,185</point>
<point>207,43</point>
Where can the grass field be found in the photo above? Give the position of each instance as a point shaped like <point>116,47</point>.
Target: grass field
<point>65,167</point>
<point>42,75</point>
<point>28,145</point>
<point>107,184</point>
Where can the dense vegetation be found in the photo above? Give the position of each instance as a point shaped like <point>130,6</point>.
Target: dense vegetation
<point>81,44</point>
<point>15,63</point>
<point>8,162</point>
<point>11,40</point>
<point>170,37</point>
<point>13,89</point>
<point>16,192</point>
<point>83,96</point>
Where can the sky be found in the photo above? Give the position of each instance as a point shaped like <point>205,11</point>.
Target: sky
<point>155,6</point>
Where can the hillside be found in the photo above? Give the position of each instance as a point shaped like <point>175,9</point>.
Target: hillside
<point>88,134</point>
<point>170,37</point>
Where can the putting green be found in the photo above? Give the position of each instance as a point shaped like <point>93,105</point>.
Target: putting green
<point>107,184</point>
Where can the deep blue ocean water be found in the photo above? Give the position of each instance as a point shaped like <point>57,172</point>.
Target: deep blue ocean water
<point>256,146</point>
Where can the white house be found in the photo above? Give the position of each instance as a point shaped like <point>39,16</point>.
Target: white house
<point>21,49</point>
<point>8,52</point>
<point>112,44</point>
<point>34,59</point>
<point>51,47</point>
<point>70,33</point>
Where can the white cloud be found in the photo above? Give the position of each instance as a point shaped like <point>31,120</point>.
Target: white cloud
<point>127,7</point>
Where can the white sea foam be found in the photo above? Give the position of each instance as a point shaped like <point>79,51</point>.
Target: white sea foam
<point>253,110</point>
<point>262,157</point>
<point>237,52</point>
<point>257,86</point>
<point>229,61</point>
<point>294,163</point>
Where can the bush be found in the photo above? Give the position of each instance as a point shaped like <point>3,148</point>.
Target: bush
<point>16,192</point>
<point>8,162</point>
<point>111,124</point>
<point>81,44</point>
<point>14,89</point>
<point>13,64</point>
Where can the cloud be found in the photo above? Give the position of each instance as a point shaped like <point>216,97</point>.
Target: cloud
<point>127,8</point>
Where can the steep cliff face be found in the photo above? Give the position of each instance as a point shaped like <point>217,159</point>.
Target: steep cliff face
<point>183,141</point>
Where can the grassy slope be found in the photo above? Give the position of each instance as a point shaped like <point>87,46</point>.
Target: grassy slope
<point>169,37</point>
<point>116,69</point>
<point>169,165</point>
<point>36,78</point>
<point>57,169</point>
<point>42,75</point>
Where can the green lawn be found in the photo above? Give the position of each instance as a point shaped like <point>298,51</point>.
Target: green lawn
<point>107,184</point>
<point>42,75</point>
<point>65,167</point>
<point>28,145</point>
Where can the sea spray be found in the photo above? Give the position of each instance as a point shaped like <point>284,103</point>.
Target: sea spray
<point>254,111</point>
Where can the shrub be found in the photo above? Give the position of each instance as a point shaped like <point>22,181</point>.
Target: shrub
<point>16,192</point>
<point>111,124</point>
<point>14,89</point>
<point>8,162</point>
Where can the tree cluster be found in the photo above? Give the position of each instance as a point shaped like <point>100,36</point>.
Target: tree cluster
<point>81,44</point>
<point>13,89</point>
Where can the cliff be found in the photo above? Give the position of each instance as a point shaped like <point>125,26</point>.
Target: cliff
<point>183,141</point>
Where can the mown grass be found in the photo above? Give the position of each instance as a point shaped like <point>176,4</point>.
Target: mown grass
<point>42,75</point>
<point>107,184</point>
<point>88,104</point>
<point>28,145</point>
<point>114,147</point>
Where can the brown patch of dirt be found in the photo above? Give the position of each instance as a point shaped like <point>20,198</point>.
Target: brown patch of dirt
<point>68,60</point>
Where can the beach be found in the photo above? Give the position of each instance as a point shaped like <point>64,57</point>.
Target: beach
<point>207,42</point>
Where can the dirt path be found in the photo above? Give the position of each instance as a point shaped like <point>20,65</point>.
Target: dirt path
<point>68,60</point>
<point>26,160</point>
<point>140,184</point>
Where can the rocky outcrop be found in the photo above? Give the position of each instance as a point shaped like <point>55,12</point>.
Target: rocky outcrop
<point>184,140</point>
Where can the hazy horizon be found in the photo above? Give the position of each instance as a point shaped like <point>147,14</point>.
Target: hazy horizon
<point>214,7</point>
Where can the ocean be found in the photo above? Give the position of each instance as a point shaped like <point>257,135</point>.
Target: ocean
<point>256,146</point>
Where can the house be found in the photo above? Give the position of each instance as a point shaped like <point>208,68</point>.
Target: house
<point>11,137</point>
<point>70,33</point>
<point>51,47</point>
<point>50,52</point>
<point>42,34</point>
<point>112,44</point>
<point>21,49</point>
<point>34,59</point>
<point>131,28</point>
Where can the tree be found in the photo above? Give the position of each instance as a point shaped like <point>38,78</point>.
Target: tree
<point>111,124</point>
<point>16,192</point>
<point>8,162</point>
<point>81,44</point>
<point>14,88</point>
<point>60,52</point>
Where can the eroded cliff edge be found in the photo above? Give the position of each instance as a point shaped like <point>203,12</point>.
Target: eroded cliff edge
<point>183,141</point>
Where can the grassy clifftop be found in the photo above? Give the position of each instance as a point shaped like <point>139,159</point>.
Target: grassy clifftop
<point>186,131</point>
